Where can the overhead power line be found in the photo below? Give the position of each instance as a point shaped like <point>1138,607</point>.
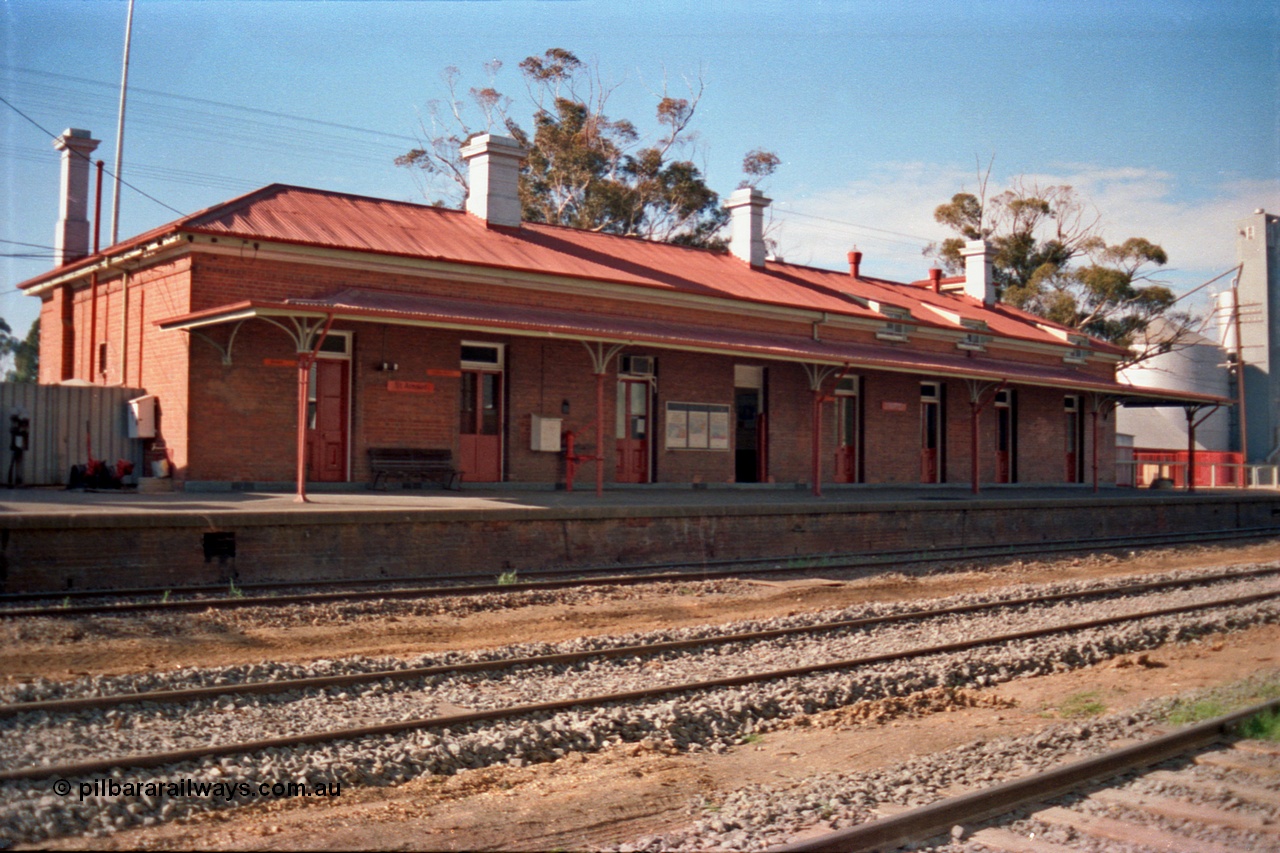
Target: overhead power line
<point>916,237</point>
<point>221,105</point>
<point>54,136</point>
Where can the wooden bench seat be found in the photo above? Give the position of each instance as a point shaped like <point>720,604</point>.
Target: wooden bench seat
<point>414,464</point>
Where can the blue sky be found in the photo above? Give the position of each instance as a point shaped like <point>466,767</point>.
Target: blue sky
<point>1164,115</point>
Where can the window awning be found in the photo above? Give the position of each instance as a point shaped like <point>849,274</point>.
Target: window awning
<point>409,309</point>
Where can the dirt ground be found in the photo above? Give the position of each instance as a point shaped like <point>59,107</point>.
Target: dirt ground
<point>583,801</point>
<point>589,800</point>
<point>217,644</point>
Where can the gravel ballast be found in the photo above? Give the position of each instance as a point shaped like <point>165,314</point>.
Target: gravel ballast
<point>713,720</point>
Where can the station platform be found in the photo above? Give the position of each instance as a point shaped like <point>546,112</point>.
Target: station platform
<point>55,540</point>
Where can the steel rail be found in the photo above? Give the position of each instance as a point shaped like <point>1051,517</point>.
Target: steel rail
<point>636,575</point>
<point>57,706</point>
<point>937,818</point>
<point>171,757</point>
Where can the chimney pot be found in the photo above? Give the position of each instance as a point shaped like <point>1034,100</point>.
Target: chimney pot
<point>71,240</point>
<point>855,263</point>
<point>979,278</point>
<point>935,279</point>
<point>747,239</point>
<point>494,177</point>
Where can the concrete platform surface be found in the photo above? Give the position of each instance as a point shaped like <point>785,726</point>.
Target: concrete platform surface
<point>613,503</point>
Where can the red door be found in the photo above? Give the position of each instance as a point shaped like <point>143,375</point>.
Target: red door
<point>480,426</point>
<point>1074,452</point>
<point>633,431</point>
<point>847,432</point>
<point>327,421</point>
<point>930,441</point>
<point>1004,437</point>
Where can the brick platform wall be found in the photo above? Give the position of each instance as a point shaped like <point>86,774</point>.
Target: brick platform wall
<point>132,550</point>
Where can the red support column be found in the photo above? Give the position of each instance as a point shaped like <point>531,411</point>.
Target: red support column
<point>975,409</point>
<point>305,360</point>
<point>93,285</point>
<point>304,376</point>
<point>1191,450</point>
<point>1093,415</point>
<point>817,443</point>
<point>600,457</point>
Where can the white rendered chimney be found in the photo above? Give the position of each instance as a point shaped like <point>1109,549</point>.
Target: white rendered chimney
<point>71,242</point>
<point>746,239</point>
<point>979,278</point>
<point>494,163</point>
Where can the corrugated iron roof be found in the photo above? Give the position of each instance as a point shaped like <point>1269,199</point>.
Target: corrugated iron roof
<point>309,217</point>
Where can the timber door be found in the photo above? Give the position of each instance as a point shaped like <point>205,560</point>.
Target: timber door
<point>931,433</point>
<point>1073,451</point>
<point>480,426</point>
<point>750,437</point>
<point>328,407</point>
<point>848,431</point>
<point>632,417</point>
<point>1006,438</point>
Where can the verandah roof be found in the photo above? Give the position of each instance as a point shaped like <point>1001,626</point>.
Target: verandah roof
<point>446,312</point>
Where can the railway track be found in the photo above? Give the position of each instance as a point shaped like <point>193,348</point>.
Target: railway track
<point>287,685</point>
<point>1227,790</point>
<point>537,710</point>
<point>178,599</point>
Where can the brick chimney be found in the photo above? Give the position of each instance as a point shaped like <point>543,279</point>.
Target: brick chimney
<point>71,241</point>
<point>494,163</point>
<point>746,240</point>
<point>979,278</point>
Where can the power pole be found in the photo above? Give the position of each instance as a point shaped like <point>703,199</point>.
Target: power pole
<point>124,87</point>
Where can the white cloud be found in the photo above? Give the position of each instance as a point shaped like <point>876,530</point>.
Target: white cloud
<point>877,212</point>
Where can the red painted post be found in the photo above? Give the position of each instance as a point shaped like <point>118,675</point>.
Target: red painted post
<point>570,461</point>
<point>1191,450</point>
<point>976,409</point>
<point>817,443</point>
<point>600,435</point>
<point>305,360</point>
<point>93,281</point>
<point>304,376</point>
<point>1094,421</point>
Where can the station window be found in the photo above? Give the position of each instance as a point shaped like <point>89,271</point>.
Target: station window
<point>482,355</point>
<point>336,345</point>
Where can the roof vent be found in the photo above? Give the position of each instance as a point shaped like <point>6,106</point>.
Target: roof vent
<point>71,241</point>
<point>855,263</point>
<point>747,239</point>
<point>494,194</point>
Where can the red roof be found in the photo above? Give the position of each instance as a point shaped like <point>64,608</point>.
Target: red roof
<point>308,217</point>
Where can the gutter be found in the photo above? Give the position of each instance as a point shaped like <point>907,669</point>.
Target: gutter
<point>103,264</point>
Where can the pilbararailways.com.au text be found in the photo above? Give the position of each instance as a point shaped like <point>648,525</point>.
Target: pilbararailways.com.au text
<point>193,788</point>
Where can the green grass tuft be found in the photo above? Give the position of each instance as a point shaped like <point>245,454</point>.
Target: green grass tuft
<point>1264,726</point>
<point>1185,713</point>
<point>1079,705</point>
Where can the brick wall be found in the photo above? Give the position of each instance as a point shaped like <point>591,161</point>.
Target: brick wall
<point>237,421</point>
<point>50,553</point>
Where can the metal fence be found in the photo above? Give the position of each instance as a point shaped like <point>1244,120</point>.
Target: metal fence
<point>1214,475</point>
<point>66,423</point>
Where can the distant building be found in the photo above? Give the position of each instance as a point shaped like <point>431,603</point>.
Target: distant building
<point>1196,364</point>
<point>1256,239</point>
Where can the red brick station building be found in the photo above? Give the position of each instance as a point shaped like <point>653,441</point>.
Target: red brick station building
<point>294,319</point>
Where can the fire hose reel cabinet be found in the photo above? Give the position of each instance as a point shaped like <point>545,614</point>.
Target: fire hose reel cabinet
<point>142,417</point>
